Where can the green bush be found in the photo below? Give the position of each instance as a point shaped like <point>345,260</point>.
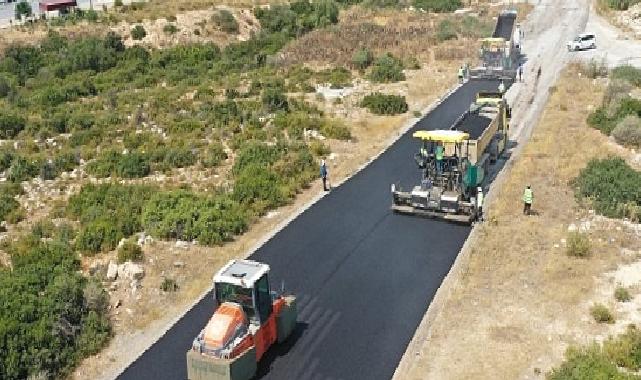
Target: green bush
<point>168,285</point>
<point>274,100</point>
<point>588,363</point>
<point>214,155</point>
<point>22,169</point>
<point>386,69</point>
<point>184,215</point>
<point>628,131</point>
<point>362,59</point>
<point>111,163</point>
<point>578,245</point>
<point>619,5</point>
<point>49,310</point>
<point>255,184</point>
<point>438,5</point>
<point>319,149</point>
<point>170,29</point>
<point>601,313</point>
<point>8,204</point>
<point>611,185</point>
<point>334,129</point>
<point>627,73</point>
<point>23,8</point>
<point>382,104</point>
<point>446,31</point>
<point>622,294</point>
<point>101,235</point>
<point>138,32</point>
<point>225,21</point>
<point>10,125</point>
<point>338,77</point>
<point>129,251</point>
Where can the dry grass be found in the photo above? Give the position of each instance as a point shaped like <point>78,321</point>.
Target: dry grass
<point>522,300</point>
<point>155,9</point>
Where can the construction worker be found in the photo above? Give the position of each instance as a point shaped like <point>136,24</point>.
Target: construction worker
<point>502,87</point>
<point>461,74</point>
<point>424,151</point>
<point>521,73</point>
<point>439,152</point>
<point>528,197</point>
<point>479,203</point>
<point>323,174</point>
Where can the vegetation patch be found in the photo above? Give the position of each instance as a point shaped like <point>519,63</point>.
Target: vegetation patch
<point>622,294</point>
<point>578,245</point>
<point>601,313</point>
<point>386,69</point>
<point>382,104</point>
<point>613,187</point>
<point>49,311</point>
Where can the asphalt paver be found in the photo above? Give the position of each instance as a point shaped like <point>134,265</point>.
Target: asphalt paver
<point>364,276</point>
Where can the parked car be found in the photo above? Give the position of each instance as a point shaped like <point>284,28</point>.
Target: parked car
<point>582,42</point>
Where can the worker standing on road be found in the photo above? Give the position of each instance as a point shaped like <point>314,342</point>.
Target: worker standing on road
<point>479,203</point>
<point>528,197</point>
<point>521,73</point>
<point>461,74</point>
<point>502,87</point>
<point>439,158</point>
<point>323,174</point>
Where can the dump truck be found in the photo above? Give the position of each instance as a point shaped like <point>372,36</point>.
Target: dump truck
<point>500,54</point>
<point>454,162</point>
<point>248,320</point>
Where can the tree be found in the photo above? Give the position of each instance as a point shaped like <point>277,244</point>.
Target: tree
<point>23,8</point>
<point>362,58</point>
<point>138,32</point>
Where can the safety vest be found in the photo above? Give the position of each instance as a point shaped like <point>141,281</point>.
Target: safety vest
<point>439,152</point>
<point>423,152</point>
<point>501,88</point>
<point>461,72</point>
<point>479,199</point>
<point>528,196</point>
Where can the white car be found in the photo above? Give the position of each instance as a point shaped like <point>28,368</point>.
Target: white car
<point>582,42</point>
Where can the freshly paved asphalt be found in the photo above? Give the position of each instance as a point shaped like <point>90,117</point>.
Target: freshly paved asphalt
<point>364,276</point>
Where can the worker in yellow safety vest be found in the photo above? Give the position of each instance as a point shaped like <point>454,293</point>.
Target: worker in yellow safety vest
<point>502,87</point>
<point>528,197</point>
<point>461,74</point>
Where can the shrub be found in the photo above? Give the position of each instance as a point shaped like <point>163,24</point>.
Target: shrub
<point>8,204</point>
<point>99,236</point>
<point>446,31</point>
<point>49,309</point>
<point>387,69</point>
<point>595,69</point>
<point>117,3</point>
<point>225,21</point>
<point>334,129</point>
<point>168,285</point>
<point>129,251</point>
<point>438,5</point>
<point>601,313</point>
<point>625,350</point>
<point>138,32</point>
<point>587,363</point>
<point>578,245</point>
<point>319,149</point>
<point>274,100</point>
<point>619,5</point>
<point>611,185</point>
<point>362,59</point>
<point>382,104</point>
<point>22,170</point>
<point>11,125</point>
<point>170,29</point>
<point>23,8</point>
<point>627,73</point>
<point>622,294</point>
<point>214,155</point>
<point>628,131</point>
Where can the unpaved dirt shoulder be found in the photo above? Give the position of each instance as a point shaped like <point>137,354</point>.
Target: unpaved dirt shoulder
<point>543,48</point>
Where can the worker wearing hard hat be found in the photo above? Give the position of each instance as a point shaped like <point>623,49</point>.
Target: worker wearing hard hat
<point>528,198</point>
<point>479,203</point>
<point>439,153</point>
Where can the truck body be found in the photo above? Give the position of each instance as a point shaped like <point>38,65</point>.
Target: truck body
<point>500,53</point>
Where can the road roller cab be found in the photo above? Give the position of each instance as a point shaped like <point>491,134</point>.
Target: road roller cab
<point>249,319</point>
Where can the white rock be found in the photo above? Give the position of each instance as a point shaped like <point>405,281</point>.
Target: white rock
<point>179,264</point>
<point>131,271</point>
<point>572,227</point>
<point>112,271</point>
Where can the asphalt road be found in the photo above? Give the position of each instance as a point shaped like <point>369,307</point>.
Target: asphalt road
<point>363,275</point>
